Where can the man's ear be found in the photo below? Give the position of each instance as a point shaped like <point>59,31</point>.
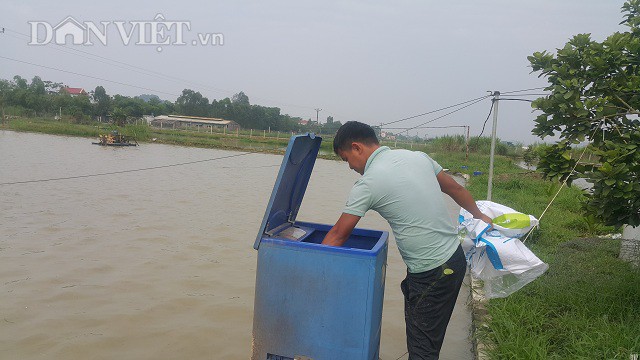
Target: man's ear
<point>357,147</point>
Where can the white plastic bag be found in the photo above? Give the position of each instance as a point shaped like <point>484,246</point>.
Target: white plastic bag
<point>498,257</point>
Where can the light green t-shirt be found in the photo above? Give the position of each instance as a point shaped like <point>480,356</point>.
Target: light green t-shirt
<point>401,186</point>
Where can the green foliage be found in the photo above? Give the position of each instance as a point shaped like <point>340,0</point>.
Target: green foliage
<point>43,98</point>
<point>457,143</point>
<point>192,103</point>
<point>137,132</point>
<point>595,96</point>
<point>102,101</point>
<point>616,190</point>
<point>584,307</point>
<point>119,116</point>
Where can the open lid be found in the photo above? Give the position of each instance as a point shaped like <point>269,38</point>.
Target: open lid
<point>291,184</point>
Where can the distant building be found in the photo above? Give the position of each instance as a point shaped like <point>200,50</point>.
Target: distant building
<point>181,121</point>
<point>73,91</point>
<point>303,122</point>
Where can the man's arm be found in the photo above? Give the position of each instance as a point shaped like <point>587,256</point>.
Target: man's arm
<point>340,232</point>
<point>461,196</point>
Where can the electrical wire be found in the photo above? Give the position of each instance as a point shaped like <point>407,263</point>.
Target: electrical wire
<point>134,170</point>
<point>147,72</point>
<point>517,95</point>
<point>435,111</point>
<point>563,184</point>
<point>426,127</point>
<point>89,76</point>
<point>523,90</point>
<point>487,119</point>
<point>78,53</point>
<point>449,113</point>
<point>508,99</point>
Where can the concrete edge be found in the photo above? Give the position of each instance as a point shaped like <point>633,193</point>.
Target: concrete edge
<point>479,319</point>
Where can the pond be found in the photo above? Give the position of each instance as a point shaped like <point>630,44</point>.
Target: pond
<point>153,264</point>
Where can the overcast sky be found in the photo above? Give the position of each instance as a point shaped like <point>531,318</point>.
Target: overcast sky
<point>369,61</point>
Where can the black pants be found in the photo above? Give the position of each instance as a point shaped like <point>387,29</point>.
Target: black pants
<point>429,298</point>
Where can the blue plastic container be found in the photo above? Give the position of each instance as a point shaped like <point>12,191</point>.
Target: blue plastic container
<point>314,302</point>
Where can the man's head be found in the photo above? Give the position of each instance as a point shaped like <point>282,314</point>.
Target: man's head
<point>354,143</point>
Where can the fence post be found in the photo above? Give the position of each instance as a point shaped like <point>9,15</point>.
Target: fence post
<point>264,134</point>
<point>250,133</point>
<point>278,135</point>
<point>466,142</point>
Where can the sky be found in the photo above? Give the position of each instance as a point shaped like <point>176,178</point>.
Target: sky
<point>370,61</point>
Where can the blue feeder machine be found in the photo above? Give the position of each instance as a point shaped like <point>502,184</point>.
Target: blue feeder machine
<point>314,302</point>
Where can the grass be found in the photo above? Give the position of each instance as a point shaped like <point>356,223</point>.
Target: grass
<point>585,307</point>
<point>52,127</point>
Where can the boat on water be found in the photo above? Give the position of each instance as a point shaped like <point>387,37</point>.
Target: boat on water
<point>114,138</point>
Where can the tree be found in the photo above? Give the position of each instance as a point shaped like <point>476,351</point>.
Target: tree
<point>119,116</point>
<point>192,103</point>
<point>240,98</point>
<point>595,97</point>
<point>37,86</point>
<point>20,82</point>
<point>102,101</point>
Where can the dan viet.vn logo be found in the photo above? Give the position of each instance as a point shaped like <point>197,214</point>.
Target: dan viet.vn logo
<point>158,32</point>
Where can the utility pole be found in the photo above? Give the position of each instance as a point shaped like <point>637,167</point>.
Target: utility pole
<point>495,100</point>
<point>317,115</point>
<point>467,143</point>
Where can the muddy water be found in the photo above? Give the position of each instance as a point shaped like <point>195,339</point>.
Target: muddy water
<point>155,264</point>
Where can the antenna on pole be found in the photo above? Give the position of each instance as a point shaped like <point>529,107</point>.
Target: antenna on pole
<point>495,100</point>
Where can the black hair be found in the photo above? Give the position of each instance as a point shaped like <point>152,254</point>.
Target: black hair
<point>353,131</point>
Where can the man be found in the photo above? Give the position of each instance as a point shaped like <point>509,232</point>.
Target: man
<point>406,187</point>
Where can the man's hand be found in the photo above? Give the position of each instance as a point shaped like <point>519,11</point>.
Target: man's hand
<point>485,218</point>
<point>340,232</point>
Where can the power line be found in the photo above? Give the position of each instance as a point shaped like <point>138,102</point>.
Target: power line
<point>449,113</point>
<point>132,170</point>
<point>485,121</point>
<point>523,90</point>
<point>89,76</point>
<point>434,111</point>
<point>509,99</point>
<point>150,72</point>
<point>530,95</point>
<point>425,127</point>
<point>78,53</point>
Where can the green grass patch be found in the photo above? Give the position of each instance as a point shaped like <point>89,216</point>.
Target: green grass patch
<point>586,305</point>
<point>51,127</point>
